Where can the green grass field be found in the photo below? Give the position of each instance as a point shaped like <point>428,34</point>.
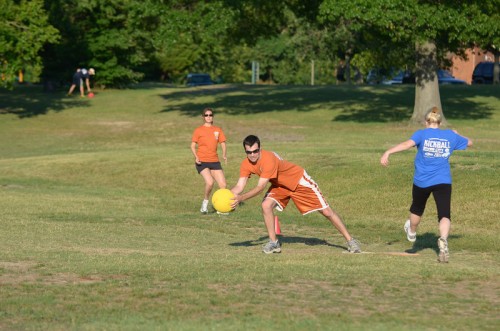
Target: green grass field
<point>100,226</point>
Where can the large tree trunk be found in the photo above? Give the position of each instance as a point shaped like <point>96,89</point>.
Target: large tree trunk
<point>426,82</point>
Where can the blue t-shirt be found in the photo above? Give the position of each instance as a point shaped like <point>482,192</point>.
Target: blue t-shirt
<point>434,149</point>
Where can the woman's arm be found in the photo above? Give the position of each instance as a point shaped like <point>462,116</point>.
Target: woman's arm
<point>384,160</point>
<point>193,150</point>
<point>224,155</point>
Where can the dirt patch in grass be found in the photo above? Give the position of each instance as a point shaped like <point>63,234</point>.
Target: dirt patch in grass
<point>24,272</point>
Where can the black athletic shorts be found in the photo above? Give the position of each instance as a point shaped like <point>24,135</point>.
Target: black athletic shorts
<point>442,197</point>
<point>209,165</point>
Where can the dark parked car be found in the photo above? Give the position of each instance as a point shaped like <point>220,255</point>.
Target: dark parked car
<point>445,77</point>
<point>402,77</point>
<point>198,80</point>
<point>407,77</point>
<point>483,73</point>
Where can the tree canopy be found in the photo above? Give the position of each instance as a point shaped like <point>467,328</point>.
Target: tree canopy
<point>24,30</point>
<point>129,40</point>
<point>424,30</point>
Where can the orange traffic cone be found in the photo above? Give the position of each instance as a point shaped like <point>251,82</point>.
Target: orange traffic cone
<point>277,225</point>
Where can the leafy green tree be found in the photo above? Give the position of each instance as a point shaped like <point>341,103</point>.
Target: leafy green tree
<point>286,58</point>
<point>284,37</point>
<point>429,28</point>
<point>484,32</point>
<point>24,30</point>
<point>109,35</point>
<point>192,36</point>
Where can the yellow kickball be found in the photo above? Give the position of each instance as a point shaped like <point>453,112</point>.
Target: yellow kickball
<point>221,200</point>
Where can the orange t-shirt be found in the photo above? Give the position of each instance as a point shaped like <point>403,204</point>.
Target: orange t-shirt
<point>207,138</point>
<point>271,165</point>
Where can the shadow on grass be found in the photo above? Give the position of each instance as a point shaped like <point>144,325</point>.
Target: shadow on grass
<point>288,240</point>
<point>427,240</point>
<point>31,101</point>
<point>351,103</point>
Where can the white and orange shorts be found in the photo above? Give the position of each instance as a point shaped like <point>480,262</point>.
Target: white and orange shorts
<point>307,196</point>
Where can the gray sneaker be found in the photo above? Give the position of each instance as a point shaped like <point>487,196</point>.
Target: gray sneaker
<point>353,246</point>
<point>444,254</point>
<point>272,247</point>
<point>412,237</point>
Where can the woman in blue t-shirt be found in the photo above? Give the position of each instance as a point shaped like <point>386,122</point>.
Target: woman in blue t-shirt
<point>432,175</point>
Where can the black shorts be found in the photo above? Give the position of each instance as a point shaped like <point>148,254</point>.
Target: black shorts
<point>78,81</point>
<point>442,197</point>
<point>210,165</point>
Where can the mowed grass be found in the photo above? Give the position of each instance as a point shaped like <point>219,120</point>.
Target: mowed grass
<point>100,226</point>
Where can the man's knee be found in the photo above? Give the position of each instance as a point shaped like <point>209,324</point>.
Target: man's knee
<point>267,205</point>
<point>327,212</point>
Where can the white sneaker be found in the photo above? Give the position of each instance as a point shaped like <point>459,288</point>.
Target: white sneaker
<point>204,207</point>
<point>412,237</point>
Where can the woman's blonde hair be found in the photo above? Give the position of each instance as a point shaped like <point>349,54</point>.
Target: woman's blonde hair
<point>433,116</point>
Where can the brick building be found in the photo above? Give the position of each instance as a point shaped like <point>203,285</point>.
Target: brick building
<point>462,69</point>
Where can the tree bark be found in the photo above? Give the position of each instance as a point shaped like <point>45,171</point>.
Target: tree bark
<point>426,82</point>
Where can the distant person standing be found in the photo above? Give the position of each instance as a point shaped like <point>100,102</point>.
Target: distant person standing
<point>82,79</point>
<point>432,175</point>
<point>207,138</point>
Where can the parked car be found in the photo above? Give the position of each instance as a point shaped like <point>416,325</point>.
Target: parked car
<point>445,77</point>
<point>407,77</point>
<point>483,73</point>
<point>198,80</point>
<point>402,77</point>
<point>381,76</point>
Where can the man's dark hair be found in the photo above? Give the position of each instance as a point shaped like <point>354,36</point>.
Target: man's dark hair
<point>251,140</point>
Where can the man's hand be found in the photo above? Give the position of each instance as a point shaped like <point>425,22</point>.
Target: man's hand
<point>236,201</point>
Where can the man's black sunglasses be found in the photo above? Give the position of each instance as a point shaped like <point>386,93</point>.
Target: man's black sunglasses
<point>255,151</point>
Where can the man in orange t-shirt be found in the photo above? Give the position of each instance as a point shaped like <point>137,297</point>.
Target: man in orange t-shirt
<point>288,181</point>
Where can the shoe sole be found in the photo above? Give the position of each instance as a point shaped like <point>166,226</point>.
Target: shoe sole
<point>276,250</point>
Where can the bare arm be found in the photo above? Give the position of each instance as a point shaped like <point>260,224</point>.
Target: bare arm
<point>240,185</point>
<point>469,142</point>
<point>193,150</point>
<point>261,185</point>
<point>87,81</point>
<point>384,160</point>
<point>224,155</point>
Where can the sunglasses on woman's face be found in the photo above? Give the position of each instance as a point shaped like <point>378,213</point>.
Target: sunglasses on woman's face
<point>209,115</point>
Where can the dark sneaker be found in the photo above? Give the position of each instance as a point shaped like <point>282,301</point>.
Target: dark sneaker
<point>444,254</point>
<point>412,237</point>
<point>272,247</point>
<point>353,246</point>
